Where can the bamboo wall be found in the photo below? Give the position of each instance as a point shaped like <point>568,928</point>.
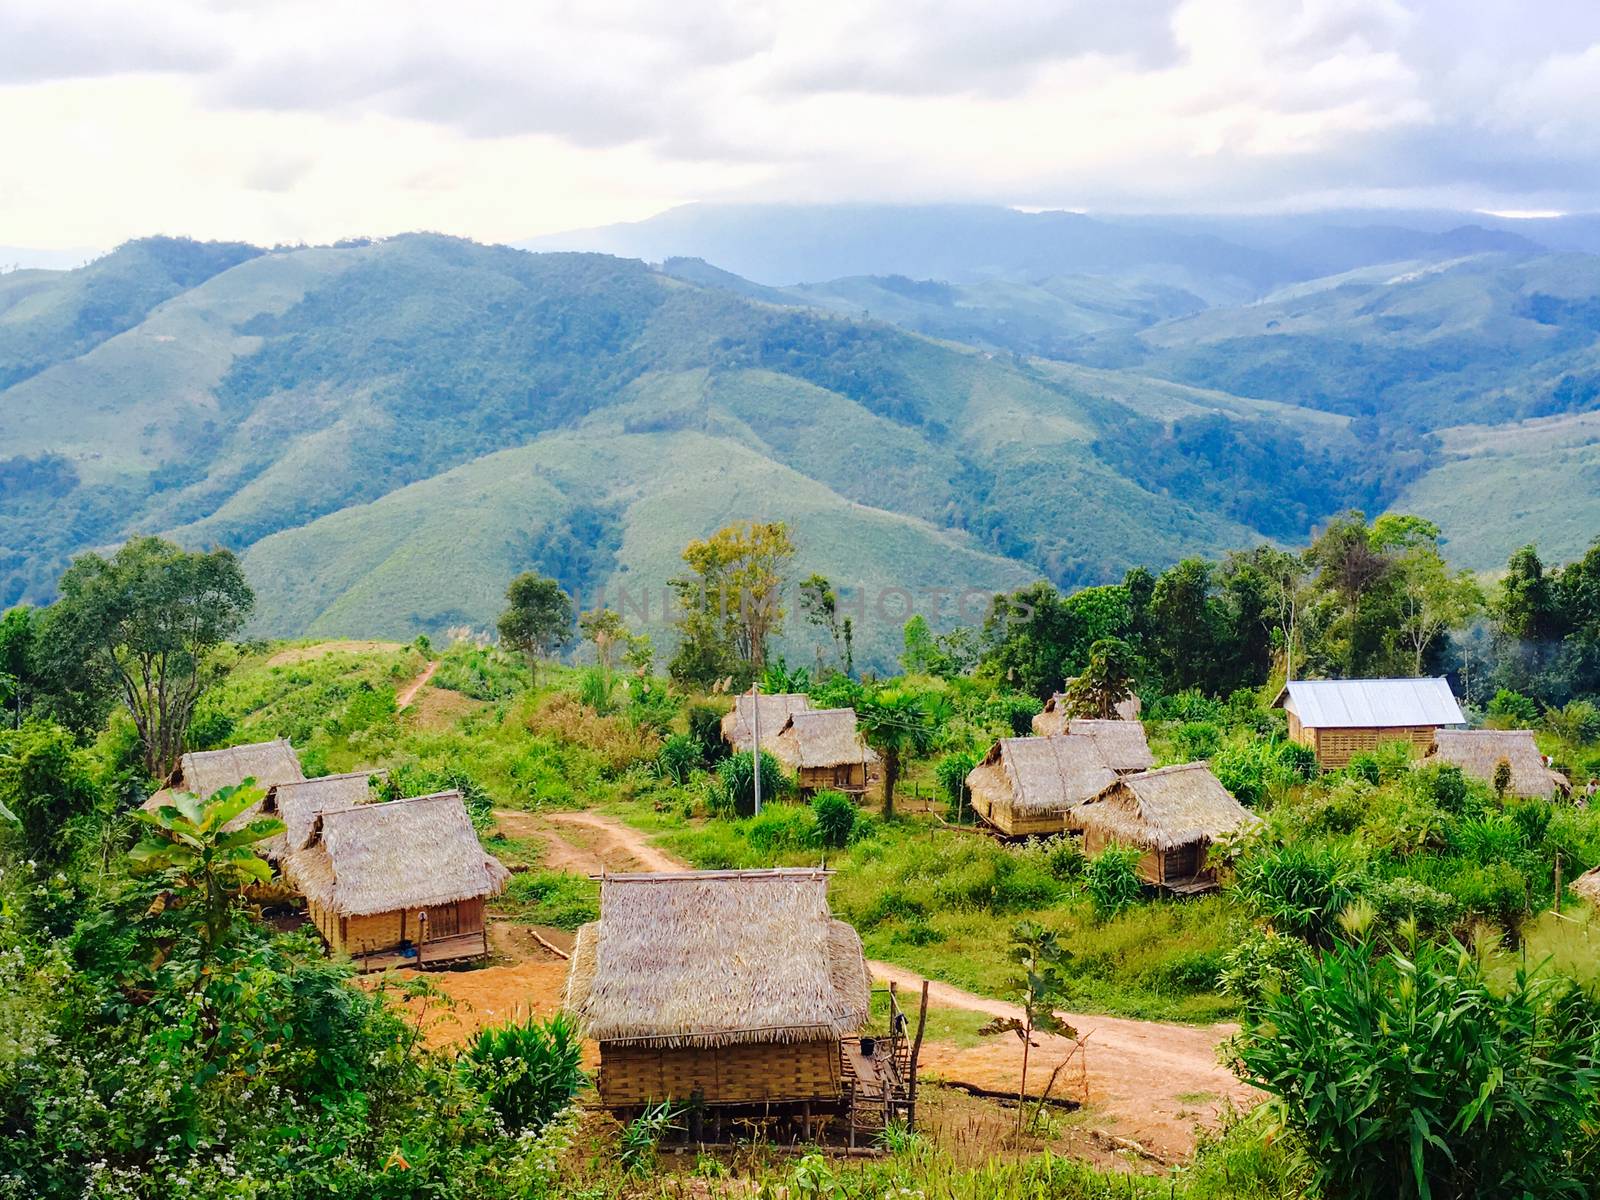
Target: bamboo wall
<point>1335,747</point>
<point>754,1073</point>
<point>385,931</point>
<point>849,777</point>
<point>1000,813</point>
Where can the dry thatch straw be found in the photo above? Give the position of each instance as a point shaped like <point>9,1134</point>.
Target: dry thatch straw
<point>717,958</point>
<point>203,773</point>
<point>1122,743</point>
<point>406,854</point>
<point>824,737</point>
<point>1041,776</point>
<point>1053,720</point>
<point>1587,887</point>
<point>738,729</point>
<point>1478,751</point>
<point>1162,809</point>
<point>298,805</point>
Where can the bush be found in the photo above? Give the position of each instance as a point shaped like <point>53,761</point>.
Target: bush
<point>780,829</point>
<point>528,1071</point>
<point>1514,708</point>
<point>705,727</point>
<point>1112,881</point>
<point>1197,740</point>
<point>1402,898</point>
<point>1259,962</point>
<point>1255,770</point>
<point>416,779</point>
<point>1299,888</point>
<point>598,690</point>
<point>1407,1075</point>
<point>735,794</point>
<point>836,819</point>
<point>1064,858</point>
<point>678,757</point>
<point>1189,705</point>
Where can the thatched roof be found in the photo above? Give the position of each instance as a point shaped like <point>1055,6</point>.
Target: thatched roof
<point>297,805</point>
<point>824,737</point>
<point>738,728</point>
<point>406,854</point>
<point>1122,743</point>
<point>714,958</point>
<point>1370,703</point>
<point>206,772</point>
<point>1053,719</point>
<point>268,763</point>
<point>1478,751</point>
<point>1041,775</point>
<point>1160,809</point>
<point>1587,887</point>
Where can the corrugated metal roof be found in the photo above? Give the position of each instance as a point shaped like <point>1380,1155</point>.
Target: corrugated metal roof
<point>1371,703</point>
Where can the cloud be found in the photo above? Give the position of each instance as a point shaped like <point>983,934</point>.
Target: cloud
<point>504,120</point>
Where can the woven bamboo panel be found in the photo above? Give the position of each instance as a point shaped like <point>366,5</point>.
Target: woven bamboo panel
<point>1334,747</point>
<point>745,1074</point>
<point>1024,824</point>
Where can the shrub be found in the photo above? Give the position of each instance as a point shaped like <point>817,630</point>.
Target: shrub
<point>598,689</point>
<point>1514,708</point>
<point>617,742</point>
<point>208,729</point>
<point>1064,858</point>
<point>1401,898</point>
<point>836,818</point>
<point>780,829</point>
<point>705,727</point>
<point>1407,1075</point>
<point>1189,705</point>
<point>1112,881</point>
<point>528,1071</point>
<point>1256,770</point>
<point>1496,890</point>
<point>1198,739</point>
<point>368,706</point>
<point>735,794</point>
<point>678,757</point>
<point>1300,888</point>
<point>416,779</point>
<point>1011,711</point>
<point>1259,962</point>
<point>1489,839</point>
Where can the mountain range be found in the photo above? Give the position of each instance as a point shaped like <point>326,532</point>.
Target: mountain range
<point>933,398</point>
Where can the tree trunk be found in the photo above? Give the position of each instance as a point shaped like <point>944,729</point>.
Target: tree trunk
<point>1022,1088</point>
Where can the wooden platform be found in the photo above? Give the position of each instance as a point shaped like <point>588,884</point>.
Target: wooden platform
<point>1194,885</point>
<point>463,947</point>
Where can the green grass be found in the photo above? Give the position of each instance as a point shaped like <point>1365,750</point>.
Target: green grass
<point>550,898</point>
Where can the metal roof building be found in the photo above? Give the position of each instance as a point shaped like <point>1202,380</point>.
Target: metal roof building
<point>1341,717</point>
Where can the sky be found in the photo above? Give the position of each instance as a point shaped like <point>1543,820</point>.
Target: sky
<point>309,121</point>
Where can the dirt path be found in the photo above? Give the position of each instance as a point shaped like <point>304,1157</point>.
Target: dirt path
<point>409,692</point>
<point>1148,1081</point>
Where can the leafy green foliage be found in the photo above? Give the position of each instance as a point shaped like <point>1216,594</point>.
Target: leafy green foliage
<point>1409,1075</point>
<point>1300,889</point>
<point>1111,880</point>
<point>836,818</point>
<point>551,898</point>
<point>46,785</point>
<point>735,793</point>
<point>527,1071</point>
<point>678,757</point>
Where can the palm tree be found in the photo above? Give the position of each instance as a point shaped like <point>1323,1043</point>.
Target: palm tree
<point>896,724</point>
<point>207,863</point>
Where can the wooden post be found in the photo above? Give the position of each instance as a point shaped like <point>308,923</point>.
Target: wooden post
<point>916,1051</point>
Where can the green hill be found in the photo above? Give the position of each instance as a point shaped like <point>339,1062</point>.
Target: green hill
<point>388,430</point>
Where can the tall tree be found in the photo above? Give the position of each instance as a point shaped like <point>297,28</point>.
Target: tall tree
<point>898,724</point>
<point>819,604</point>
<point>19,631</point>
<point>1433,600</point>
<point>731,602</point>
<point>145,625</point>
<point>538,617</point>
<point>604,628</point>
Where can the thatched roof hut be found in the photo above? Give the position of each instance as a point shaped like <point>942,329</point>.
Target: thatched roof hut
<point>1122,744</point>
<point>1341,717</point>
<point>1479,751</point>
<point>377,877</point>
<point>298,805</point>
<point>738,726</point>
<point>1173,814</point>
<point>736,985</point>
<point>823,748</point>
<point>1029,785</point>
<point>1053,719</point>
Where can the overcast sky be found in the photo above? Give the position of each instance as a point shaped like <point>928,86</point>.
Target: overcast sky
<point>292,120</point>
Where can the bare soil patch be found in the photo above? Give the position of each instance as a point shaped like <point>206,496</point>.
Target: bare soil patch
<point>409,692</point>
<point>300,654</point>
<point>437,708</point>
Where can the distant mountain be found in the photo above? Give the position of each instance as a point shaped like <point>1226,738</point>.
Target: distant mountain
<point>390,430</point>
<point>387,431</point>
<point>1222,259</point>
